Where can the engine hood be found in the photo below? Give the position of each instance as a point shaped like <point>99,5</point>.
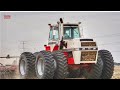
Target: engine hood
<point>76,43</point>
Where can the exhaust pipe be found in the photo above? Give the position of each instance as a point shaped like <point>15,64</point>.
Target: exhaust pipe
<point>61,20</point>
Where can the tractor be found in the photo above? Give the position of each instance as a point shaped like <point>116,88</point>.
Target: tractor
<point>67,55</point>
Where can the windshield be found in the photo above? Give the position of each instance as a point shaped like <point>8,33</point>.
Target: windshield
<point>71,32</point>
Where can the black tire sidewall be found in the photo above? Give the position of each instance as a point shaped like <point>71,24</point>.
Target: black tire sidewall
<point>94,74</point>
<point>59,72</point>
<point>105,59</point>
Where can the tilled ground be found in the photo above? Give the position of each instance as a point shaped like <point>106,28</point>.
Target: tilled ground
<point>116,74</point>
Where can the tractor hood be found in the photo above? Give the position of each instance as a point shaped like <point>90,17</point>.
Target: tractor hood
<point>76,43</point>
<point>82,47</point>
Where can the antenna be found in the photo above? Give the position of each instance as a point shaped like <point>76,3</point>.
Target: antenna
<point>23,45</point>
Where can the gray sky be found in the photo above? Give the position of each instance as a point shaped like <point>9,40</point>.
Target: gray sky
<point>33,28</point>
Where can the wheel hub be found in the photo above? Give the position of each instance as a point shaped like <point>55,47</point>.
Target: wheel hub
<point>22,67</point>
<point>40,67</point>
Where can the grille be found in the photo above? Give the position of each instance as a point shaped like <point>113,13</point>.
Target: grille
<point>88,43</point>
<point>88,56</point>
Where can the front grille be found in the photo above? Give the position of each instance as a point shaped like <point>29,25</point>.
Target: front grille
<point>88,55</point>
<point>88,43</point>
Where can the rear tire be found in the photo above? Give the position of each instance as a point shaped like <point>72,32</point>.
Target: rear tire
<point>108,64</point>
<point>96,70</point>
<point>27,66</point>
<point>44,66</point>
<point>74,73</point>
<point>61,71</point>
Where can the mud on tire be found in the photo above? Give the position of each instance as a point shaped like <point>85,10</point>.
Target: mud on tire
<point>61,71</point>
<point>108,64</point>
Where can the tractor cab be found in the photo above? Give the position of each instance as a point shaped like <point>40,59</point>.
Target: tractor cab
<point>54,33</point>
<point>65,31</point>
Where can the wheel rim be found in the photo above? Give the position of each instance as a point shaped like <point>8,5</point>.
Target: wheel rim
<point>22,67</point>
<point>40,67</point>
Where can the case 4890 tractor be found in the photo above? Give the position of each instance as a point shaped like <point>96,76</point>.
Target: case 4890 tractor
<point>67,55</point>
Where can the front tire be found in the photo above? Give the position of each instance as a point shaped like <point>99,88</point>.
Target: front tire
<point>95,70</point>
<point>74,73</point>
<point>108,64</point>
<point>61,71</point>
<point>44,66</point>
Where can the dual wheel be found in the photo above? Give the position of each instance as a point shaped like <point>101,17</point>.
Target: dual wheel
<point>47,65</point>
<point>103,69</point>
<point>43,65</point>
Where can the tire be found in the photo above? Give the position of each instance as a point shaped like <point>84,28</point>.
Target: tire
<point>108,64</point>
<point>27,66</point>
<point>44,66</point>
<point>96,70</point>
<point>61,71</point>
<point>74,73</point>
<point>36,53</point>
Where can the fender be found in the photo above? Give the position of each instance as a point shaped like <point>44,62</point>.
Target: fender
<point>70,60</point>
<point>47,48</point>
<point>56,47</point>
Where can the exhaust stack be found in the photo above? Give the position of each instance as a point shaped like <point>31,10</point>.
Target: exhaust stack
<point>61,20</point>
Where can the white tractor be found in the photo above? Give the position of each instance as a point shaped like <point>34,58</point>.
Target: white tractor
<point>67,55</point>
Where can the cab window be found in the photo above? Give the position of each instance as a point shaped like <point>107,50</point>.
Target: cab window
<point>71,32</point>
<point>51,35</point>
<point>54,34</point>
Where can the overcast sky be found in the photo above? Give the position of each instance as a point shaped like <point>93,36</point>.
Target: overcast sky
<point>32,27</point>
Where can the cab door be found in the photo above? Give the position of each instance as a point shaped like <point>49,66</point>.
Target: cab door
<point>53,39</point>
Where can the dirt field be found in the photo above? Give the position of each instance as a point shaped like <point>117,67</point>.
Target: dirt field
<point>116,74</point>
